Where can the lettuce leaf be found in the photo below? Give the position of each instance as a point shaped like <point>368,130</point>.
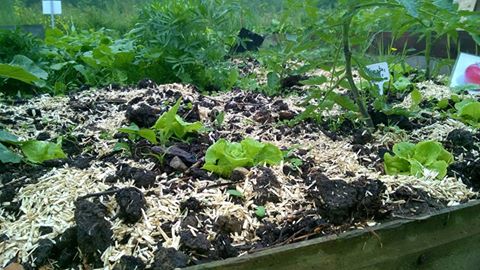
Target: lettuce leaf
<point>169,124</point>
<point>468,111</point>
<point>223,156</point>
<point>39,151</point>
<point>411,159</point>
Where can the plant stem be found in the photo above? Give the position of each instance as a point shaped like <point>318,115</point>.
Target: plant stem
<point>348,69</point>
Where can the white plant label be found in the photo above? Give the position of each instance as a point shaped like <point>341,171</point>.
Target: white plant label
<point>51,7</point>
<point>383,71</point>
<point>466,71</point>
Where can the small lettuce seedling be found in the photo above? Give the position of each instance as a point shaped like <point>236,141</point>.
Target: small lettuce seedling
<point>418,160</point>
<point>468,111</point>
<point>168,125</point>
<point>223,156</point>
<point>33,150</point>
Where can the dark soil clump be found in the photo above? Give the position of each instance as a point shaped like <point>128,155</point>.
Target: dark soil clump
<point>130,263</point>
<point>417,202</point>
<point>131,202</point>
<point>169,259</point>
<point>460,138</point>
<point>43,252</point>
<point>142,114</point>
<point>223,246</point>
<point>62,250</point>
<point>94,233</point>
<point>468,171</point>
<point>266,182</point>
<point>228,225</point>
<point>198,243</point>
<point>142,178</point>
<point>341,202</point>
<point>191,204</point>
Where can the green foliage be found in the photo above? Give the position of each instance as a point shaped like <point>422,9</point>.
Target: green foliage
<point>34,151</point>
<point>468,111</point>
<point>18,43</point>
<point>168,125</point>
<point>260,211</point>
<point>187,41</point>
<point>235,193</point>
<point>411,159</point>
<point>39,151</point>
<point>10,71</point>
<point>223,156</point>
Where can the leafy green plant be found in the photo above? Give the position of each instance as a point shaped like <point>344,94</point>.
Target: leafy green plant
<point>168,125</point>
<point>422,159</point>
<point>223,156</point>
<point>187,41</point>
<point>33,150</point>
<point>260,212</point>
<point>468,111</point>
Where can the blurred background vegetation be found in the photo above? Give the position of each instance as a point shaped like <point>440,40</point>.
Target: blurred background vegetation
<point>121,15</point>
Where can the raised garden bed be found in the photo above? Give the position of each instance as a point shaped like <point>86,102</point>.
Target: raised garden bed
<point>121,206</point>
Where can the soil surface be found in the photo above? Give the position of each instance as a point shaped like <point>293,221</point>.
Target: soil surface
<point>124,203</point>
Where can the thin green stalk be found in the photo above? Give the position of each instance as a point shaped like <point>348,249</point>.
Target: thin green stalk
<point>348,69</point>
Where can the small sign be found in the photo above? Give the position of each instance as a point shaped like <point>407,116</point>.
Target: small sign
<point>52,7</point>
<point>382,70</point>
<point>466,71</point>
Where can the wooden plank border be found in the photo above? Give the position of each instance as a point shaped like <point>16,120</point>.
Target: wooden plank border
<point>448,239</point>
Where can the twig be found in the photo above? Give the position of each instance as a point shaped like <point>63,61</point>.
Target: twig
<point>107,192</point>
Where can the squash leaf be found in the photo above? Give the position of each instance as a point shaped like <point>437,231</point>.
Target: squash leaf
<point>7,156</point>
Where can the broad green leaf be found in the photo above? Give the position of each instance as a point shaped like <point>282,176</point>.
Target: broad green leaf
<point>17,73</point>
<point>148,134</point>
<point>39,151</point>
<point>445,4</point>
<point>416,168</point>
<point>223,156</point>
<point>411,6</point>
<point>395,165</point>
<point>426,155</point>
<point>7,156</point>
<point>273,80</point>
<point>440,167</point>
<point>402,84</point>
<point>145,133</point>
<point>404,149</point>
<point>30,66</point>
<point>8,137</point>
<point>344,101</point>
<point>427,152</point>
<point>471,111</point>
<point>270,154</point>
<point>169,124</point>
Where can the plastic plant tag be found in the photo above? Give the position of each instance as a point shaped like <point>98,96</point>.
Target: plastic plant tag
<point>382,72</point>
<point>51,7</point>
<point>466,73</point>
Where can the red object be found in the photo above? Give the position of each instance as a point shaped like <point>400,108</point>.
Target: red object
<point>472,74</point>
